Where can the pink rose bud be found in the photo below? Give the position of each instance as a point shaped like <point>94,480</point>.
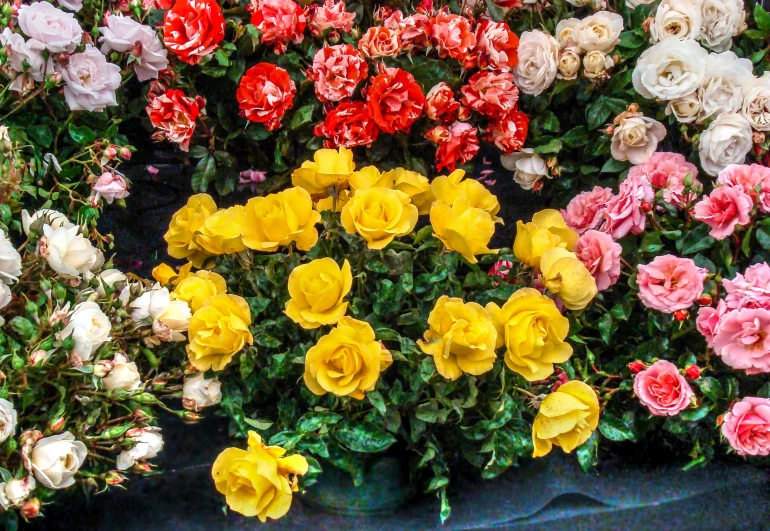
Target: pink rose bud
<point>103,368</point>
<point>692,372</point>
<point>636,367</point>
<point>646,206</point>
<point>502,269</point>
<point>31,508</point>
<point>37,357</point>
<point>57,425</point>
<point>111,186</point>
<point>125,153</point>
<point>110,153</point>
<point>114,478</point>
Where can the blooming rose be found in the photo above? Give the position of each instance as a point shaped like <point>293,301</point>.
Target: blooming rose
<point>413,30</point>
<point>533,331</point>
<point>195,289</point>
<point>722,20</point>
<point>727,140</point>
<point>67,252</point>
<point>90,81</point>
<point>662,389</point>
<point>394,99</point>
<point>218,331</point>
<point>750,289</point>
<point>110,186</point>
<point>336,72</point>
<point>601,256</point>
<point>173,115</point>
<point>563,274</point>
<point>329,170</point>
<point>379,42</point>
<point>15,491</point>
<point>546,231</point>
<point>457,143</point>
<point>624,213</point>
<point>462,228</point>
<point>10,260</point>
<point>670,283</point>
<point>221,232</point>
<point>168,318</point>
<point>538,62</point>
<point>265,93</point>
<point>754,179</point>
<point>585,210</point>
<point>677,19</point>
<point>684,109</point>
<point>600,31</point>
<point>743,339</point>
<point>280,21</point>
<point>635,137</point>
<point>330,15</point>
<point>8,418</point>
<point>440,104</point>
<point>569,63</point>
<point>596,64</point>
<point>723,209</point>
<point>496,46</point>
<point>492,94</point>
<point>124,34</point>
<point>348,125</point>
<point>452,35</point>
<point>453,187</point>
<point>708,320</point>
<point>181,234</point>
<point>756,102</point>
<point>258,481</point>
<point>24,58</point>
<point>379,215</point>
<point>57,30</point>
<point>56,459</point>
<point>347,361</point>
<point>124,375</point>
<point>48,216</point>
<point>147,443</point>
<point>280,219</point>
<point>199,392</point>
<point>193,29</point>
<point>317,291</point>
<point>509,132</point>
<point>567,418</point>
<point>671,69</point>
<point>747,426</point>
<point>722,91</point>
<point>667,171</point>
<point>527,166</point>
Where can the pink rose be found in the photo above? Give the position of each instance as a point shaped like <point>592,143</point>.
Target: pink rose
<point>330,15</point>
<point>670,283</point>
<point>336,72</point>
<point>24,58</point>
<point>708,321</point>
<point>662,389</point>
<point>743,340</point>
<point>750,289</point>
<point>380,42</point>
<point>452,35</point>
<point>601,256</point>
<point>492,94</point>
<point>624,212</point>
<point>90,81</point>
<point>124,34</point>
<point>280,21</point>
<point>585,211</point>
<point>725,208</point>
<point>750,178</point>
<point>747,426</point>
<point>667,171</point>
<point>58,31</point>
<point>110,186</point>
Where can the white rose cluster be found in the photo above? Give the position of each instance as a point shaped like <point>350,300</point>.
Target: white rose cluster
<point>593,38</point>
<point>712,22</point>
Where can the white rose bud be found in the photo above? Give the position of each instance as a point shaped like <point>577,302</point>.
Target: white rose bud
<point>676,19</point>
<point>722,89</point>
<point>600,31</point>
<point>10,260</point>
<point>538,62</point>
<point>67,252</point>
<point>685,109</point>
<point>569,63</point>
<point>721,21</point>
<point>147,443</point>
<point>199,392</point>
<point>89,328</point>
<point>8,420</point>
<point>55,460</point>
<point>527,166</point>
<point>635,137</point>
<point>13,493</point>
<point>596,64</point>
<point>670,69</point>
<point>124,375</point>
<point>727,140</point>
<point>109,277</point>
<point>633,4</point>
<point>169,318</point>
<point>50,217</point>
<point>756,102</point>
<point>103,367</point>
<point>565,32</point>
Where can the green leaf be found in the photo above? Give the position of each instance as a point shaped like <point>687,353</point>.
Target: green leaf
<point>24,327</point>
<point>553,146</point>
<point>82,135</point>
<point>696,240</point>
<point>763,238</point>
<point>576,137</point>
<point>258,424</point>
<point>615,429</point>
<point>606,328</point>
<point>431,413</point>
<point>314,420</point>
<point>302,116</point>
<point>695,414</point>
<point>364,437</point>
<point>445,508</point>
<point>498,15</point>
<point>651,243</point>
<point>257,305</point>
<point>764,391</point>
<point>710,387</point>
<point>613,166</point>
<point>221,56</point>
<point>41,134</point>
<point>204,174</point>
<point>376,399</point>
<point>587,453</point>
<point>762,18</point>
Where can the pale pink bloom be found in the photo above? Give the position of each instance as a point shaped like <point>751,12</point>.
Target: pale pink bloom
<point>750,289</point>
<point>743,340</point>
<point>723,209</point>
<point>667,171</point>
<point>252,178</point>
<point>670,283</point>
<point>124,34</point>
<point>662,389</point>
<point>57,30</point>
<point>708,321</point>
<point>24,58</point>
<point>586,209</point>
<point>747,426</point>
<point>331,15</point>
<point>452,35</point>
<point>110,186</point>
<point>754,179</point>
<point>90,81</point>
<point>624,212</point>
<point>601,256</point>
<point>336,71</point>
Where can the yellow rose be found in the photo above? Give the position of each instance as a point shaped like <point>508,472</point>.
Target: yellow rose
<point>563,274</point>
<point>369,177</point>
<point>328,203</point>
<point>329,168</point>
<point>165,274</point>
<point>533,331</point>
<point>567,418</point>
<point>347,361</point>
<point>461,338</point>
<point>413,184</point>
<point>195,289</point>
<point>279,219</point>
<point>258,481</point>
<point>221,232</point>
<point>450,188</point>
<point>546,231</point>
<point>183,228</point>
<point>217,331</point>
<point>378,215</point>
<point>316,291</point>
<point>462,228</point>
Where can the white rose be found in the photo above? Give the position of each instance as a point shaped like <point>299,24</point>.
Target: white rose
<point>636,137</point>
<point>670,69</point>
<point>685,109</point>
<point>72,5</point>
<point>147,443</point>
<point>123,375</point>
<point>538,62</point>
<point>722,88</point>
<point>89,328</point>
<point>50,217</point>
<point>8,420</point>
<point>579,3</point>
<point>67,252</point>
<point>596,64</point>
<point>25,58</point>
<point>56,459</point>
<point>726,141</point>
<point>600,31</point>
<point>569,63</point>
<point>722,20</point>
<point>169,318</point>
<point>565,32</point>
<point>13,493</point>
<point>109,277</point>
<point>598,5</point>
<point>527,166</point>
<point>90,81</point>
<point>199,392</point>
<point>124,34</point>
<point>676,19</point>
<point>10,260</point>
<point>5,298</point>
<point>756,102</point>
<point>633,4</point>
<point>57,30</point>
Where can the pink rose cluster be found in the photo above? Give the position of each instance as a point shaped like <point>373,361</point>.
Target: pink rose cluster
<point>672,174</point>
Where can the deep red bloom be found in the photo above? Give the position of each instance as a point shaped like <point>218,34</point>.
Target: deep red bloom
<point>349,125</point>
<point>265,93</point>
<point>193,29</point>
<point>395,100</point>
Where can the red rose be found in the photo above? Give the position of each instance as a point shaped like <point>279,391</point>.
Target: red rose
<point>509,133</point>
<point>440,104</point>
<point>349,125</point>
<point>193,29</point>
<point>280,21</point>
<point>496,46</point>
<point>336,72</point>
<point>492,94</point>
<point>452,35</point>
<point>395,100</point>
<point>265,93</point>
<point>173,115</point>
<point>457,143</point>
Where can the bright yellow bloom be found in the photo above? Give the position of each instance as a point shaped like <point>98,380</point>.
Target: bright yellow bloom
<point>533,331</point>
<point>221,232</point>
<point>329,168</point>
<point>462,228</point>
<point>164,273</point>
<point>563,274</point>
<point>369,177</point>
<point>186,222</point>
<point>567,418</point>
<point>195,289</point>
<point>347,361</point>
<point>317,291</point>
<point>279,219</point>
<point>259,481</point>
<point>328,203</point>
<point>546,231</point>
<point>413,184</point>
<point>218,331</point>
<point>461,338</point>
<point>450,188</point>
<point>378,215</point>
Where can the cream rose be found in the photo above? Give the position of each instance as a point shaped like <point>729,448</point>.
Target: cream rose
<point>10,260</point>
<point>8,420</point>
<point>722,90</point>
<point>124,375</point>
<point>756,102</point>
<point>147,443</point>
<point>670,69</point>
<point>5,298</point>
<point>538,62</point>
<point>199,392</point>
<point>726,141</point>
<point>636,137</point>
<point>676,19</point>
<point>596,64</point>
<point>565,32</point>
<point>90,81</point>
<point>600,31</point>
<point>109,277</point>
<point>124,34</point>
<point>685,109</point>
<point>56,459</point>
<point>168,318</point>
<point>569,63</point>
<point>633,4</point>
<point>721,21</point>
<point>50,217</point>
<point>57,30</point>
<point>67,252</point>
<point>89,329</point>
<point>13,493</point>
<point>527,167</point>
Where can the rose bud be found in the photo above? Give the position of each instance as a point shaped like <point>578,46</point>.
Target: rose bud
<point>103,367</point>
<point>692,372</point>
<point>646,206</point>
<point>636,367</point>
<point>125,153</point>
<point>681,315</point>
<point>17,490</point>
<point>110,152</point>
<point>114,478</point>
<point>140,416</point>
<point>31,508</point>
<point>37,357</point>
<point>57,425</point>
<point>705,300</point>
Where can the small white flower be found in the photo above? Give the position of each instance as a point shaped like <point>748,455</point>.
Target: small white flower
<point>55,460</point>
<point>124,34</point>
<point>169,318</point>
<point>565,32</point>
<point>722,20</point>
<point>538,62</point>
<point>756,102</point>
<point>727,140</point>
<point>90,81</point>
<point>68,252</point>
<point>8,420</point>
<point>50,217</point>
<point>676,19</point>
<point>527,166</point>
<point>636,137</point>
<point>685,109</point>
<point>600,31</point>
<point>123,375</point>
<point>596,64</point>
<point>199,392</point>
<point>109,277</point>
<point>13,493</point>
<point>569,63</point>
<point>89,328</point>
<point>147,444</point>
<point>722,89</point>
<point>10,260</point>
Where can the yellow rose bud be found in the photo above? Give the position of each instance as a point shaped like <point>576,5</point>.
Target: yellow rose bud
<point>413,184</point>
<point>165,274</point>
<point>546,231</point>
<point>347,361</point>
<point>221,232</point>
<point>567,418</point>
<point>259,481</point>
<point>186,222</point>
<point>461,338</point>
<point>462,228</point>
<point>316,290</point>
<point>450,188</point>
<point>218,331</point>
<point>198,287</point>
<point>280,219</point>
<point>329,169</point>
<point>533,331</point>
<point>378,215</point>
<point>329,203</point>
<point>369,177</point>
<point>563,274</point>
